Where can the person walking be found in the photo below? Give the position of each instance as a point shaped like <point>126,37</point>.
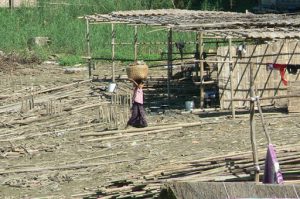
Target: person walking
<point>138,116</point>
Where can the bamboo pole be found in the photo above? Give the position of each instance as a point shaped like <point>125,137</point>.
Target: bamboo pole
<point>200,35</point>
<point>170,63</point>
<point>135,42</point>
<point>214,61</point>
<point>197,57</point>
<point>11,4</point>
<point>134,134</point>
<point>88,47</point>
<point>165,43</point>
<point>128,131</point>
<point>113,36</point>
<point>59,167</point>
<point>231,78</point>
<point>265,98</point>
<point>252,126</point>
<point>263,121</point>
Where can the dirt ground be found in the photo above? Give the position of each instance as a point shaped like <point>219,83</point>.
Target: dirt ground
<point>46,151</point>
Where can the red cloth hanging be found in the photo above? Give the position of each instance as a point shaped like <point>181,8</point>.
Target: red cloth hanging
<point>281,68</point>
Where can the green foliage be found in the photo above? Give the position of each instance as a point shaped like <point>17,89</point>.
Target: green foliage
<point>59,21</point>
<point>69,60</point>
<point>237,5</point>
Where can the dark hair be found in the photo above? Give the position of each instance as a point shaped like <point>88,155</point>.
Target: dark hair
<point>139,81</point>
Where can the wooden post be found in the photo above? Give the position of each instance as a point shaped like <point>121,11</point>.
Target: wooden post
<point>252,125</point>
<point>113,36</point>
<point>201,49</point>
<point>88,47</point>
<point>231,78</point>
<point>197,57</point>
<point>11,4</point>
<point>170,62</point>
<point>135,42</point>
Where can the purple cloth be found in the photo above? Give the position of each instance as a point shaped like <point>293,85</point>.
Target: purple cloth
<point>272,173</point>
<point>138,116</point>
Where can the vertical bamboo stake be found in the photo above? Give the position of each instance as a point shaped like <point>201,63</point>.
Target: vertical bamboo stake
<point>108,114</point>
<point>231,78</point>
<point>122,120</point>
<point>22,105</point>
<point>201,49</point>
<point>88,47</point>
<point>51,107</point>
<point>117,98</point>
<point>135,42</point>
<point>112,116</point>
<point>113,36</point>
<point>197,56</point>
<point>112,99</point>
<point>128,100</point>
<point>11,4</point>
<point>116,116</point>
<point>252,125</point>
<point>99,113</point>
<point>32,100</point>
<point>60,106</point>
<point>170,63</point>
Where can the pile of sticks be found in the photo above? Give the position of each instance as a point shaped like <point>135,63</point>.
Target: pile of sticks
<point>232,167</point>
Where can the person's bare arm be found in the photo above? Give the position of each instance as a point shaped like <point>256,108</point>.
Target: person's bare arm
<point>133,81</point>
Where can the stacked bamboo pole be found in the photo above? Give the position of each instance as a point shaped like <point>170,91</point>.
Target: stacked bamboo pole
<point>231,167</point>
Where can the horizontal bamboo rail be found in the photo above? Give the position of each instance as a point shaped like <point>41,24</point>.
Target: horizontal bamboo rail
<point>264,98</point>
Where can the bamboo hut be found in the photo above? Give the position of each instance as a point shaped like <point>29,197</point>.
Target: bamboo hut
<point>273,38</point>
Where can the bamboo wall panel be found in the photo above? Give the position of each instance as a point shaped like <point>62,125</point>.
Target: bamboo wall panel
<point>293,103</point>
<point>267,83</point>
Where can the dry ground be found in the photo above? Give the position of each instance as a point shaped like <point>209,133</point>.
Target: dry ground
<point>43,152</point>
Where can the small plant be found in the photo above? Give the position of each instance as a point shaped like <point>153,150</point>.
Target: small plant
<point>70,60</point>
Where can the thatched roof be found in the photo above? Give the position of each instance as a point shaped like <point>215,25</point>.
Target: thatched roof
<point>224,24</point>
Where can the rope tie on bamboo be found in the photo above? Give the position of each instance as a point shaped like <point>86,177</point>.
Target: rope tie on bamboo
<point>113,34</point>
<point>255,98</point>
<point>135,38</point>
<point>257,168</point>
<point>226,191</point>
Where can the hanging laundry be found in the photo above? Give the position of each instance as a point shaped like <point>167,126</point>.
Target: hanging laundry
<point>293,68</point>
<point>272,173</point>
<point>281,68</point>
